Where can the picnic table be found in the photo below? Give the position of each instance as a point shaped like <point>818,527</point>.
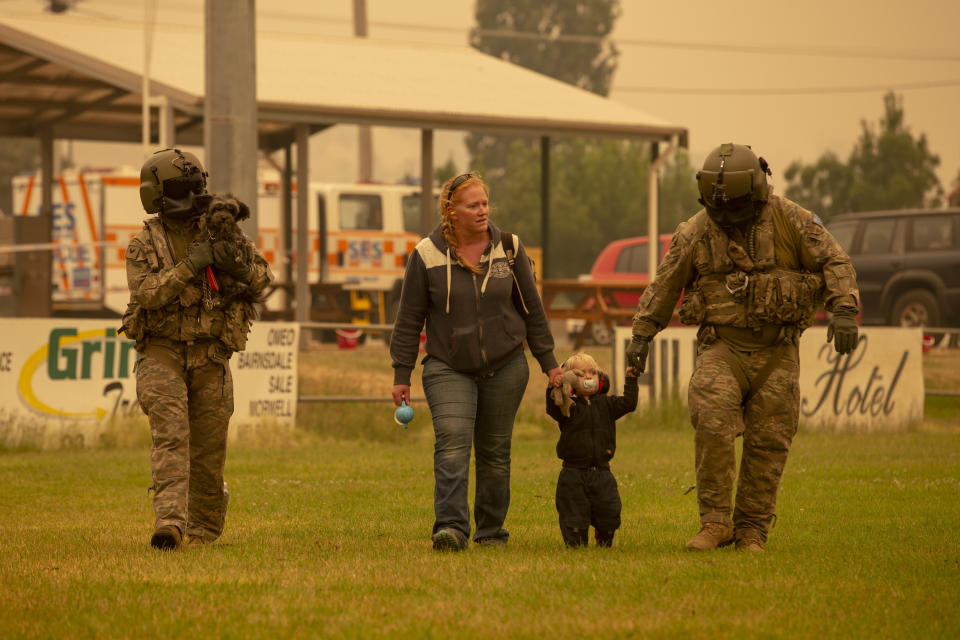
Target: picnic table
<point>594,301</point>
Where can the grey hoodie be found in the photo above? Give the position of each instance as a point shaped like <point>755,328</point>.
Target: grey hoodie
<point>475,323</point>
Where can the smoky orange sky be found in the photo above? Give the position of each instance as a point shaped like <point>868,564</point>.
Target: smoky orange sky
<point>792,79</point>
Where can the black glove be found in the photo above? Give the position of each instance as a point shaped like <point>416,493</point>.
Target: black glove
<point>199,256</point>
<point>225,258</point>
<point>843,325</point>
<point>637,352</point>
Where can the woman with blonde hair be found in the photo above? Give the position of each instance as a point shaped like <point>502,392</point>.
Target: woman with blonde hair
<point>474,288</point>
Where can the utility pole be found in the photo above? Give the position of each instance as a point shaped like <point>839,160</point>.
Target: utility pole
<point>230,104</point>
<point>364,133</point>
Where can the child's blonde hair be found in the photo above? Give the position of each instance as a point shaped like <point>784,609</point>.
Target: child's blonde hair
<point>580,360</point>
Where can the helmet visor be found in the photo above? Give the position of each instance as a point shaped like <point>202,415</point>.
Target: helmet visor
<point>180,187</point>
<point>733,213</point>
<point>720,188</point>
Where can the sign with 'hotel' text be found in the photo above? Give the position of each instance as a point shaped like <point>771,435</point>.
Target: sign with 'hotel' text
<point>878,386</point>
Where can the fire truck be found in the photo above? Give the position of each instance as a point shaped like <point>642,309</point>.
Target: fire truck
<point>359,237</point>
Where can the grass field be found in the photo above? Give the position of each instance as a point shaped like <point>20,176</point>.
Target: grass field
<point>327,536</point>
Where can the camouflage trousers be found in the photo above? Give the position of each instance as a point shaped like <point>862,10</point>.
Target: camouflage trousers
<point>187,393</point>
<point>722,407</point>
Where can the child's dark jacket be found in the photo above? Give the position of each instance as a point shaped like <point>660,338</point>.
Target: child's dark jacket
<point>589,436</point>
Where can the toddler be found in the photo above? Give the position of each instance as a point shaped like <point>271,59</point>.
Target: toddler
<point>586,489</point>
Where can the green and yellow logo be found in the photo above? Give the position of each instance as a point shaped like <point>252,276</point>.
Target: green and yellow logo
<point>75,356</point>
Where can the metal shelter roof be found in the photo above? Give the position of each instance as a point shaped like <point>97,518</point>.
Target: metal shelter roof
<point>81,78</point>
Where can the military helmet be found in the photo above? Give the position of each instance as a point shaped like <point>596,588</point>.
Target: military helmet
<point>169,179</point>
<point>732,183</point>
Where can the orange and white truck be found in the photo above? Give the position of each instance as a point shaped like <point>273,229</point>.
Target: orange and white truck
<point>369,231</point>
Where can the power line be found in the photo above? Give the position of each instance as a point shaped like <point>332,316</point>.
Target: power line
<point>832,51</point>
<point>767,49</point>
<point>934,84</point>
<point>826,51</point>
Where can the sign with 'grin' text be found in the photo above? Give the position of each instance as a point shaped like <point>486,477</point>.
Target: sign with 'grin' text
<point>67,378</point>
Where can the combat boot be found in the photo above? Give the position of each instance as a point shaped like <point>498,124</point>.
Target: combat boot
<point>749,543</point>
<point>711,536</point>
<point>166,537</point>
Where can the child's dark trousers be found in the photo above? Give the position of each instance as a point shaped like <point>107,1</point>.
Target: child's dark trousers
<point>588,497</point>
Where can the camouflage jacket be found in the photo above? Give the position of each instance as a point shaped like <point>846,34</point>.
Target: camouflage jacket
<point>781,274</point>
<point>167,300</point>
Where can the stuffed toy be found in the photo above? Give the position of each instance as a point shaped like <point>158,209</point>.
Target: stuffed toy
<point>562,395</point>
<point>573,385</point>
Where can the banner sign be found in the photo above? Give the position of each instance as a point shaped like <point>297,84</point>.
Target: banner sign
<point>877,387</point>
<point>67,378</point>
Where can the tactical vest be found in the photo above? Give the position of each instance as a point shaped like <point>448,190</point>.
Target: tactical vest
<point>757,285</point>
<point>185,318</point>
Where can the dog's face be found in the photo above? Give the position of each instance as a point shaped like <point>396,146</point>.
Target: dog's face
<point>222,214</point>
<point>222,206</point>
<point>220,218</point>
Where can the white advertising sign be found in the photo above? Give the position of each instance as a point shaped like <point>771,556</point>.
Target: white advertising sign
<point>877,387</point>
<point>67,378</point>
<point>265,374</point>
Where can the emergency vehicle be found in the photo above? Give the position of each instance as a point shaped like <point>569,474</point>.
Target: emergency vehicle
<point>355,275</point>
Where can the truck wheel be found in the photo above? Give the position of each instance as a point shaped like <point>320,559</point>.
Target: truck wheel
<point>916,308</point>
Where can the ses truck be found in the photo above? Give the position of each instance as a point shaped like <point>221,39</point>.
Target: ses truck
<point>369,231</point>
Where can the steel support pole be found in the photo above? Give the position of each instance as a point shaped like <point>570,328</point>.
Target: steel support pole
<point>230,104</point>
<point>657,160</point>
<point>426,181</point>
<point>303,257</point>
<point>545,205</point>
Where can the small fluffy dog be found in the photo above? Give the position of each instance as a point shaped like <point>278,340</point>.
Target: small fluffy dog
<point>219,222</point>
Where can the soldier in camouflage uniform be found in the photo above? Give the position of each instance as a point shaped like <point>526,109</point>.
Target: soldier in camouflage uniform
<point>185,333</point>
<point>753,268</point>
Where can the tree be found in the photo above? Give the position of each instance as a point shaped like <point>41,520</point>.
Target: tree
<point>598,186</point>
<point>953,197</point>
<point>678,192</point>
<point>445,171</point>
<point>588,65</point>
<point>887,169</point>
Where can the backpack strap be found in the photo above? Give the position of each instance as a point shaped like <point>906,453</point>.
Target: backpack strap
<point>161,244</point>
<point>510,242</point>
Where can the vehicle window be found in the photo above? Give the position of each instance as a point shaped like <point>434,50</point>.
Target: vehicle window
<point>843,232</point>
<point>633,259</point>
<point>878,236</point>
<point>411,213</point>
<point>931,233</point>
<point>360,212</point>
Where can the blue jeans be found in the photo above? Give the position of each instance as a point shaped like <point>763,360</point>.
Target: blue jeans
<point>479,411</point>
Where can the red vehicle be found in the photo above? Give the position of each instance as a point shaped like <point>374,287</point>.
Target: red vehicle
<point>624,260</point>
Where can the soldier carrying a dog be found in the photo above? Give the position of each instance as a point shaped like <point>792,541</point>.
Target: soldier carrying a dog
<point>187,320</point>
<point>754,268</point>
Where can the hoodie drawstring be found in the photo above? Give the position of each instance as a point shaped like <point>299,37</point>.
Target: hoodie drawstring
<point>483,287</point>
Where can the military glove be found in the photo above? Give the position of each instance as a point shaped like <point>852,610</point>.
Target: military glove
<point>225,258</point>
<point>843,329</point>
<point>199,256</point>
<point>637,352</point>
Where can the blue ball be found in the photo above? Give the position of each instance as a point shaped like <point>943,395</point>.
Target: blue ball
<point>403,414</point>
